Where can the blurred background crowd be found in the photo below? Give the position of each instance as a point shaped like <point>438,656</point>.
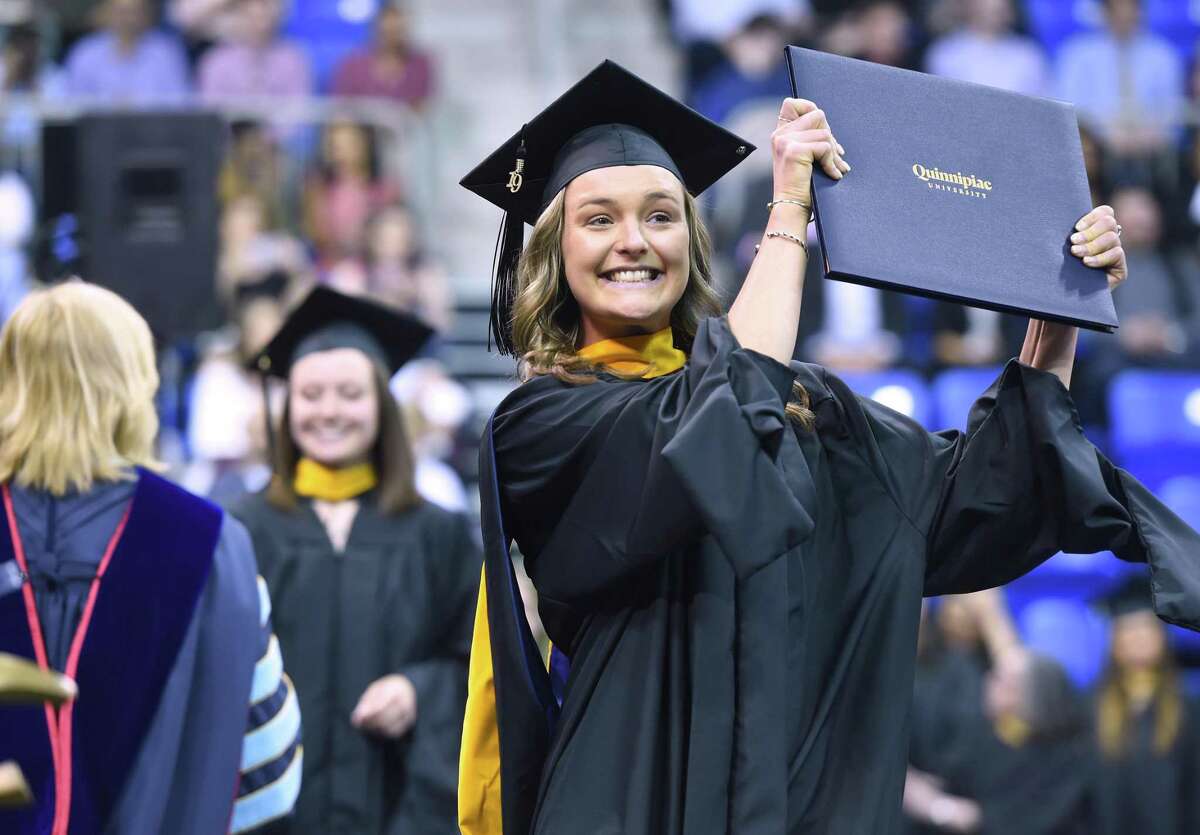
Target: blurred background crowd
<point>214,159</point>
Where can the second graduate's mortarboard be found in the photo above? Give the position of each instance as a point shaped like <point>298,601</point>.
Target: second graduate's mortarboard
<point>1133,595</point>
<point>327,320</point>
<point>610,117</point>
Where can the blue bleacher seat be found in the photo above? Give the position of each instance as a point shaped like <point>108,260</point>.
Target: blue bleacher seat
<point>899,389</point>
<point>330,31</point>
<point>1155,424</point>
<point>1069,631</point>
<point>956,390</point>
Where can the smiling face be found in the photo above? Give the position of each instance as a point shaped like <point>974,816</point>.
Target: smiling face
<point>333,407</point>
<point>625,249</point>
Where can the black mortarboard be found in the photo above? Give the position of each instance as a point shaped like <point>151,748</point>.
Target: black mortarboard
<point>327,319</point>
<point>1133,595</point>
<point>610,117</point>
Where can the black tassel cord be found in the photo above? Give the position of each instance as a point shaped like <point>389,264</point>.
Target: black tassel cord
<point>509,244</point>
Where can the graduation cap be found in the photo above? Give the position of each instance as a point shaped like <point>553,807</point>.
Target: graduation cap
<point>326,320</point>
<point>1133,595</point>
<point>610,117</point>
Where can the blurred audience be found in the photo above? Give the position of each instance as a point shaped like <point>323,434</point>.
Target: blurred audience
<point>435,408</point>
<point>226,429</point>
<point>972,336</point>
<point>204,21</point>
<point>345,188</point>
<point>752,67</point>
<point>881,31</point>
<point>254,168</point>
<point>24,69</point>
<point>401,273</point>
<point>1146,728</point>
<point>128,62</point>
<point>1156,327</point>
<point>254,62</point>
<point>256,259</point>
<point>986,50</point>
<point>703,28</point>
<point>1125,79</point>
<point>17,220</point>
<point>391,67</point>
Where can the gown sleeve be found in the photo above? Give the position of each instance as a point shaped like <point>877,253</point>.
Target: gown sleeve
<point>608,477</point>
<point>1024,483</point>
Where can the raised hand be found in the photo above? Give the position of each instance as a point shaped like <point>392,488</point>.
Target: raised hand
<point>1097,241</point>
<point>802,138</point>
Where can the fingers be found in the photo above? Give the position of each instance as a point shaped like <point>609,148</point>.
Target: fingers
<point>1108,258</point>
<point>369,705</point>
<point>1103,243</point>
<point>1095,216</point>
<point>793,109</point>
<point>387,707</point>
<point>809,138</point>
<point>1097,240</point>
<point>1096,224</point>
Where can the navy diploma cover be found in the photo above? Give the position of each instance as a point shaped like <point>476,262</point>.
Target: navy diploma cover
<point>958,191</point>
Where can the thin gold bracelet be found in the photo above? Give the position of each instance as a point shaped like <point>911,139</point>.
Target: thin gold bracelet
<point>790,202</point>
<point>788,236</point>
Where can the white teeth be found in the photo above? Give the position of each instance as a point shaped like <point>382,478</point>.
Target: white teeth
<point>632,275</point>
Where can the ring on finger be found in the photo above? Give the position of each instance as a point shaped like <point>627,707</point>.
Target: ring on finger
<point>1118,230</point>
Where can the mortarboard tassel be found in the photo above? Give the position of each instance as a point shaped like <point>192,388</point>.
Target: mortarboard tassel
<point>509,243</point>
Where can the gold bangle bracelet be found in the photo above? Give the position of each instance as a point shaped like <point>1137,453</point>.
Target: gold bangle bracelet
<point>790,202</point>
<point>787,236</point>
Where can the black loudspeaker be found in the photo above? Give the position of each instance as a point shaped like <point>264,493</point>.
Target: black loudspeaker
<point>146,202</point>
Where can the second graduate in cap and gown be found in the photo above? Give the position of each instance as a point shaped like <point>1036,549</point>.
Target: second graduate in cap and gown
<point>1146,727</point>
<point>373,587</point>
<point>730,550</point>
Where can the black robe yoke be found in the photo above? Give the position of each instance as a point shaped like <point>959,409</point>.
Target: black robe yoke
<point>739,600</point>
<point>398,599</point>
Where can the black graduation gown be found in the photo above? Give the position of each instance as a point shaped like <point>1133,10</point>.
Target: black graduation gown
<point>1146,792</point>
<point>740,601</point>
<point>399,599</point>
<point>947,697</point>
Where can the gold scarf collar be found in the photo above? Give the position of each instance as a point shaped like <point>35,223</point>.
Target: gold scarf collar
<point>648,356</point>
<point>316,481</point>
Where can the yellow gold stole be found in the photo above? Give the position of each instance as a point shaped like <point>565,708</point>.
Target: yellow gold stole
<point>648,356</point>
<point>316,481</point>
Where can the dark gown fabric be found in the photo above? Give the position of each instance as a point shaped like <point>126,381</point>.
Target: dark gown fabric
<point>399,599</point>
<point>947,697</point>
<point>1147,792</point>
<point>1040,788</point>
<point>739,600</point>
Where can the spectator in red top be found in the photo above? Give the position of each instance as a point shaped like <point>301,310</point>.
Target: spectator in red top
<point>390,68</point>
<point>347,187</point>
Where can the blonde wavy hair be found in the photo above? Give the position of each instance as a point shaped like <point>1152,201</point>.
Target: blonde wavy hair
<point>77,384</point>
<point>545,319</point>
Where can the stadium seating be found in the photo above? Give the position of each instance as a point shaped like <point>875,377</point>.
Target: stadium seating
<point>956,390</point>
<point>899,389</point>
<point>1155,424</point>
